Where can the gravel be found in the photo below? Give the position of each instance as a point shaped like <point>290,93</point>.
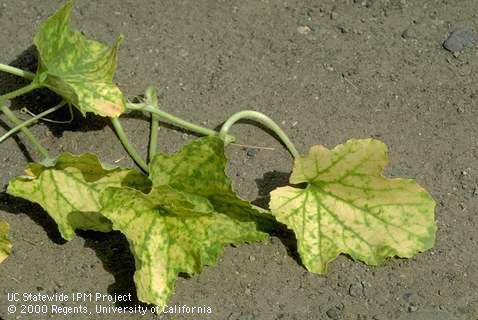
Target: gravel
<point>459,40</point>
<point>356,289</point>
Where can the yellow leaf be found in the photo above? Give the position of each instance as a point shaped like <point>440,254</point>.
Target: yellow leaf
<point>5,245</point>
<point>348,207</point>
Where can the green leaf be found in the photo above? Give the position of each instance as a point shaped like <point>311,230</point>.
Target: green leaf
<point>5,245</point>
<point>185,221</point>
<point>347,206</point>
<point>78,69</point>
<point>69,190</point>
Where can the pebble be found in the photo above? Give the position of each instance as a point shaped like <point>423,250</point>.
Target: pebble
<point>459,40</point>
<point>356,289</point>
<point>412,308</point>
<point>241,316</point>
<point>334,313</point>
<point>409,34</point>
<point>183,53</point>
<point>361,2</point>
<point>343,29</point>
<point>251,152</point>
<point>342,281</point>
<point>303,30</point>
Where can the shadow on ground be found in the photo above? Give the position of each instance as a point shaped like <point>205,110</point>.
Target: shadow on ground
<point>113,250</point>
<point>18,141</point>
<point>265,185</point>
<point>16,205</point>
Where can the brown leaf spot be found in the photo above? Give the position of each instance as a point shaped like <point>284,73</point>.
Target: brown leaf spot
<point>109,108</point>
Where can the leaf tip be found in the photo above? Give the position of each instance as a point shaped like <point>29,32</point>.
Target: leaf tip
<point>118,41</point>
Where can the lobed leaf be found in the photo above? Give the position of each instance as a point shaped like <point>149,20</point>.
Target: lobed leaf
<point>5,245</point>
<point>78,69</point>
<point>69,190</point>
<point>347,206</point>
<point>198,169</point>
<point>185,221</point>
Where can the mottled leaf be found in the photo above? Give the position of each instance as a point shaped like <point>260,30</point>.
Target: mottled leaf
<point>5,245</point>
<point>69,190</point>
<point>78,69</point>
<point>347,206</point>
<point>185,221</point>
<point>199,169</point>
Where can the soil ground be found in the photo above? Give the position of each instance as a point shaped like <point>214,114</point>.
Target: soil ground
<point>326,71</point>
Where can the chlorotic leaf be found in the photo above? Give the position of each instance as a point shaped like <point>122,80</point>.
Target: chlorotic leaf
<point>199,169</point>
<point>69,190</point>
<point>185,221</point>
<point>78,69</point>
<point>5,245</point>
<point>347,206</point>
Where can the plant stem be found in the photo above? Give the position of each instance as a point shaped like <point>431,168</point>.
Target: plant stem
<point>163,114</point>
<point>177,121</point>
<point>127,145</point>
<point>19,92</point>
<point>17,72</point>
<point>152,100</point>
<point>11,116</point>
<point>31,120</point>
<point>263,119</point>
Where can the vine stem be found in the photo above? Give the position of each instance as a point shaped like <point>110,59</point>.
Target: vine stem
<point>151,96</point>
<point>17,72</point>
<point>11,116</point>
<point>177,121</point>
<point>31,120</point>
<point>264,120</point>
<point>132,106</point>
<point>127,145</point>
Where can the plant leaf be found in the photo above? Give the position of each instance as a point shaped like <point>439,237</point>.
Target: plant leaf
<point>185,221</point>
<point>5,245</point>
<point>69,190</point>
<point>199,169</point>
<point>78,69</point>
<point>348,207</point>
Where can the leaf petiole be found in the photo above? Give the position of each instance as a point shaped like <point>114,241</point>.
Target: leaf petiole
<point>177,121</point>
<point>127,145</point>
<point>262,119</point>
<point>13,118</point>
<point>31,120</point>
<point>151,96</point>
<point>17,72</point>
